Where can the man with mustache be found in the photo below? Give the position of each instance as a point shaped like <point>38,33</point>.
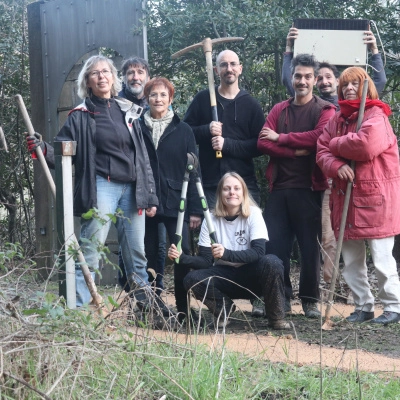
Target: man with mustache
<point>296,183</point>
<point>235,134</point>
<point>135,74</point>
<point>240,119</point>
<point>328,75</point>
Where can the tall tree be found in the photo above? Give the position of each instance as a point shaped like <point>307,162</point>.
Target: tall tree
<point>16,200</point>
<point>264,24</point>
<point>175,24</point>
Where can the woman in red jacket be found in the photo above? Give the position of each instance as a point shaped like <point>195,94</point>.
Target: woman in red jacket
<point>373,214</point>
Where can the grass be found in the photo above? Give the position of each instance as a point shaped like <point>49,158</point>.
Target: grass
<point>103,368</point>
<point>70,356</point>
<point>50,352</point>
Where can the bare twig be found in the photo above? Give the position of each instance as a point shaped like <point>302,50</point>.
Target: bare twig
<point>25,383</point>
<point>169,377</point>
<point>58,380</point>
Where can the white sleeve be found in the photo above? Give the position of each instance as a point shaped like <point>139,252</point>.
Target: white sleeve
<point>258,229</point>
<point>204,238</point>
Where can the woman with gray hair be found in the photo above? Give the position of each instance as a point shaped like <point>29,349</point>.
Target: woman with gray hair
<point>112,174</point>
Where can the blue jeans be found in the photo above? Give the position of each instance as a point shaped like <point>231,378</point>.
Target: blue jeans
<point>162,251</point>
<point>112,196</point>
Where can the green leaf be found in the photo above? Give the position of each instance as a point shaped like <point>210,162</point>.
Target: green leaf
<point>112,302</point>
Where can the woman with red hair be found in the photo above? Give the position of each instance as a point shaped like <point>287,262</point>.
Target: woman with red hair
<point>373,214</point>
<point>168,141</point>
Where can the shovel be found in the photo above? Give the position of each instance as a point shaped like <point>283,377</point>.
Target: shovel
<point>328,324</point>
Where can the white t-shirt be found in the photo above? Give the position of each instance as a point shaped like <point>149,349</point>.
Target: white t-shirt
<point>235,235</point>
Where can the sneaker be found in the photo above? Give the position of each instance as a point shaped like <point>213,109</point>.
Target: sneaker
<point>162,308</point>
<point>258,310</point>
<point>156,321</point>
<point>194,319</point>
<point>360,316</point>
<point>279,324</point>
<point>311,310</point>
<point>388,317</point>
<point>144,299</point>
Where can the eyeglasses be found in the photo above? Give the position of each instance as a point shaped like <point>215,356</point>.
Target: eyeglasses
<point>105,72</point>
<point>162,95</point>
<point>225,65</point>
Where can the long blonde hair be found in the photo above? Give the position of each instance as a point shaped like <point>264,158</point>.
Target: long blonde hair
<point>220,210</point>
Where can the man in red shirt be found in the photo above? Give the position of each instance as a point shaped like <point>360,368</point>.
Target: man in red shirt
<point>296,183</point>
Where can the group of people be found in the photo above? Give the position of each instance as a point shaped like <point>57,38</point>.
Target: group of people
<point>132,153</point>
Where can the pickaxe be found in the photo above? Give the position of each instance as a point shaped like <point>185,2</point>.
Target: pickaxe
<point>97,299</point>
<point>207,44</point>
<point>327,326</point>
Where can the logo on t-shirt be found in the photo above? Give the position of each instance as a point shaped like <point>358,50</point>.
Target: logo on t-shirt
<point>239,237</point>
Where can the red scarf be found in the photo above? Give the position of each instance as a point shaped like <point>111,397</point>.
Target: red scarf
<point>349,107</point>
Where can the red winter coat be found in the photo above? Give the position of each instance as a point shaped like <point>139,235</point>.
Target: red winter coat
<point>374,210</point>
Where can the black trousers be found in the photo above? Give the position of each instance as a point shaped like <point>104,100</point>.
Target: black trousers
<point>291,213</point>
<point>151,246</point>
<point>217,286</point>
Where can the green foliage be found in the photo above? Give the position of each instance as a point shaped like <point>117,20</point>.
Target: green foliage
<point>16,193</point>
<point>78,354</point>
<point>176,24</point>
<point>11,256</point>
<point>171,26</point>
<point>65,356</point>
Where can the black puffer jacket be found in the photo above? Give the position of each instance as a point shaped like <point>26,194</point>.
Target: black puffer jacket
<point>169,165</point>
<point>81,127</point>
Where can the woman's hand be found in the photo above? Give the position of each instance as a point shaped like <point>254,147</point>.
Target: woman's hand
<point>151,211</point>
<point>195,221</point>
<point>370,41</point>
<point>217,250</point>
<point>173,253</point>
<point>345,173</point>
